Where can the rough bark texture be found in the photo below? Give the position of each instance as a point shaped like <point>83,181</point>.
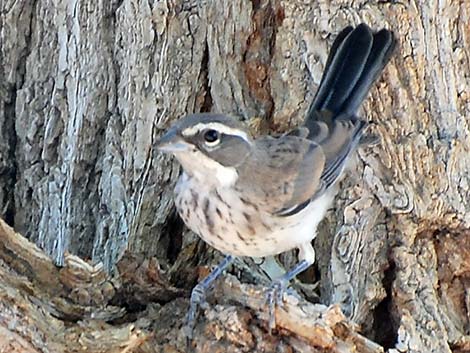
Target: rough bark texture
<point>87,86</point>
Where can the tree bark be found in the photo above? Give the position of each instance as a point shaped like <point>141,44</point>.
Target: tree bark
<point>86,87</point>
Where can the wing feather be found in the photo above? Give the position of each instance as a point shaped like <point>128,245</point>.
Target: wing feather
<point>283,174</point>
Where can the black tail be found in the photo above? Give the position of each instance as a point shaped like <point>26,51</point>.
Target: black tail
<point>356,59</point>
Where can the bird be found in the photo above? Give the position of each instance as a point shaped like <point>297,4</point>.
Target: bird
<point>263,196</point>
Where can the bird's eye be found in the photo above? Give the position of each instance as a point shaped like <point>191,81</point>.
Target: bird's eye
<point>211,137</point>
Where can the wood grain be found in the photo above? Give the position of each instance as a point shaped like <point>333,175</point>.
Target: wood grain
<point>86,88</point>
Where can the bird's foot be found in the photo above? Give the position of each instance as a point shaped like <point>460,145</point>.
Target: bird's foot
<point>198,296</point>
<point>197,300</point>
<point>278,287</point>
<point>274,298</point>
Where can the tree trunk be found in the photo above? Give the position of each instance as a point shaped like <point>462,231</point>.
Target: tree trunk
<point>87,86</point>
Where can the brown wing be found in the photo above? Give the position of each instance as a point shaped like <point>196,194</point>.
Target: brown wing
<point>337,138</point>
<point>283,173</point>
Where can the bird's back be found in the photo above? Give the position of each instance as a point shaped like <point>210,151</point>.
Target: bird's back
<point>288,172</point>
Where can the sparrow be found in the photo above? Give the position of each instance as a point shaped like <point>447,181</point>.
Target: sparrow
<point>263,196</point>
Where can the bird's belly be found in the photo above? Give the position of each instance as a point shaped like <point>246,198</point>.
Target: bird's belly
<point>236,227</point>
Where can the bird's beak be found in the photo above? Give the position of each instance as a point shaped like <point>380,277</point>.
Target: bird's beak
<point>171,142</point>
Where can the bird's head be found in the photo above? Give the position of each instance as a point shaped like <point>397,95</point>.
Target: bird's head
<point>208,146</point>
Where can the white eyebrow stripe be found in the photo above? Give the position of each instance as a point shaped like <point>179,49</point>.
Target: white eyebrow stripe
<point>224,129</point>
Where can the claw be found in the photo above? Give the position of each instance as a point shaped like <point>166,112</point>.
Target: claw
<point>277,289</point>
<point>198,297</point>
<point>275,298</point>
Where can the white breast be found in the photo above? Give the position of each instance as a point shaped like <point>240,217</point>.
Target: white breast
<point>222,219</point>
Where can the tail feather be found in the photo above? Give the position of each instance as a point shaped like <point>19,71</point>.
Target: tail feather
<point>382,48</point>
<point>356,59</point>
<point>332,54</point>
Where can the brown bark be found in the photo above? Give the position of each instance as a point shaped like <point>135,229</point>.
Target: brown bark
<point>86,87</point>
<point>44,309</point>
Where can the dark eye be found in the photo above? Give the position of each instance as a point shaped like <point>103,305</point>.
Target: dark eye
<point>211,136</point>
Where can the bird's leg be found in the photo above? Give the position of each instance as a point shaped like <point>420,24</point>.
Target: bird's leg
<point>198,294</point>
<point>278,286</point>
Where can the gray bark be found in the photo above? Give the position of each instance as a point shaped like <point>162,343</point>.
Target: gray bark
<point>86,87</point>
